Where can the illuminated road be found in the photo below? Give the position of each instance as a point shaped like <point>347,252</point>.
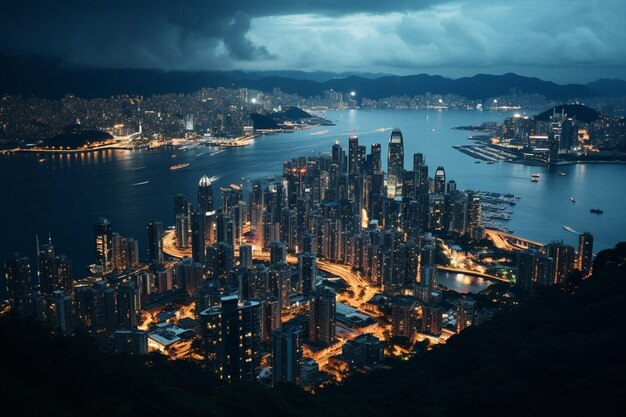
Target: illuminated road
<point>169,245</point>
<point>510,242</point>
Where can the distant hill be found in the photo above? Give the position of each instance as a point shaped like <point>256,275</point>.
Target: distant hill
<point>609,88</point>
<point>580,112</point>
<point>74,136</point>
<point>277,120</point>
<point>47,78</point>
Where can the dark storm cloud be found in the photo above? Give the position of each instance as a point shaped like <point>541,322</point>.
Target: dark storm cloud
<point>451,37</point>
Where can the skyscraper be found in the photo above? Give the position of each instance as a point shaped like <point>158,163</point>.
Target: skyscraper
<point>60,309</point>
<point>18,279</point>
<point>278,252</point>
<point>245,256</point>
<point>585,253</point>
<point>128,305</point>
<point>205,195</point>
<point>464,314</point>
<point>403,316</point>
<point>103,244</point>
<point>395,164</point>
<point>440,180</point>
<point>198,243</point>
<point>286,354</point>
<point>322,317</point>
<point>219,260</point>
<point>154,232</point>
<point>231,339</point>
<point>307,273</point>
<point>563,260</point>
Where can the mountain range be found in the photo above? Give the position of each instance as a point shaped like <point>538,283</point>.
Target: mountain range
<point>48,78</point>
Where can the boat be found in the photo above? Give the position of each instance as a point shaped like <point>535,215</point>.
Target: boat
<point>140,183</point>
<point>535,175</point>
<point>596,211</point>
<point>573,199</point>
<point>562,174</point>
<point>534,179</point>
<point>42,160</point>
<point>179,166</point>
<point>569,229</point>
<point>477,162</point>
<point>490,162</point>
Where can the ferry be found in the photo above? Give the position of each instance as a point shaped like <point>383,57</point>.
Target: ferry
<point>534,179</point>
<point>140,183</point>
<point>562,174</point>
<point>535,175</point>
<point>596,211</point>
<point>179,166</point>
<point>573,199</point>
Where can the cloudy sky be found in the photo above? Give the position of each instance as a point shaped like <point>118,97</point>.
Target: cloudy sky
<point>560,40</point>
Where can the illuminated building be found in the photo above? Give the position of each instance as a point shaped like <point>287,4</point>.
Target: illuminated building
<point>219,260</point>
<point>322,317</point>
<point>128,305</point>
<point>440,180</point>
<point>60,310</point>
<point>18,279</point>
<point>278,252</point>
<point>154,231</point>
<point>231,339</point>
<point>245,256</point>
<point>395,164</point>
<point>103,244</point>
<point>432,319</point>
<point>403,317</point>
<point>307,273</point>
<point>563,257</point>
<point>464,314</point>
<point>188,274</point>
<point>132,341</point>
<point>584,259</point>
<point>365,350</point>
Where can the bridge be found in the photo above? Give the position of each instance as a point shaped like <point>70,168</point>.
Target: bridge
<point>511,242</point>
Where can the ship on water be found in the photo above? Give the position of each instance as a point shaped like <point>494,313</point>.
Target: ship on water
<point>597,211</point>
<point>179,166</point>
<point>569,229</point>
<point>573,199</point>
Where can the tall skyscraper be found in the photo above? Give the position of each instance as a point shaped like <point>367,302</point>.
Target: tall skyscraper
<point>205,195</point>
<point>219,260</point>
<point>60,309</point>
<point>103,245</point>
<point>440,180</point>
<point>286,354</point>
<point>432,319</point>
<point>278,252</point>
<point>189,275</point>
<point>154,231</point>
<point>585,253</point>
<point>128,305</point>
<point>464,314</point>
<point>375,158</point>
<point>245,256</point>
<point>198,242</point>
<point>563,257</point>
<point>395,164</point>
<point>307,273</point>
<point>322,317</point>
<point>182,231</point>
<point>403,316</point>
<point>231,339</point>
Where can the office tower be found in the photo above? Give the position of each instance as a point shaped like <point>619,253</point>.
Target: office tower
<point>322,317</point>
<point>308,243</point>
<point>18,278</point>
<point>307,273</point>
<point>154,231</point>
<point>181,207</point>
<point>403,316</point>
<point>103,244</point>
<point>245,256</point>
<point>338,156</point>
<point>128,305</point>
<point>432,319</point>
<point>563,257</point>
<point>585,253</point>
<point>395,164</point>
<point>188,274</point>
<point>47,272</point>
<point>101,318</point>
<point>205,195</point>
<point>278,252</point>
<point>65,278</point>
<point>219,260</point>
<point>436,212</point>
<point>198,245</point>
<point>280,284</point>
<point>440,180</point>
<point>60,310</point>
<point>286,354</point>
<point>418,161</point>
<point>164,280</point>
<point>464,314</point>
<point>125,253</point>
<point>270,318</point>
<point>182,231</point>
<point>256,207</point>
<point>225,229</point>
<point>451,186</point>
<point>353,145</point>
<point>131,341</point>
<point>231,339</point>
